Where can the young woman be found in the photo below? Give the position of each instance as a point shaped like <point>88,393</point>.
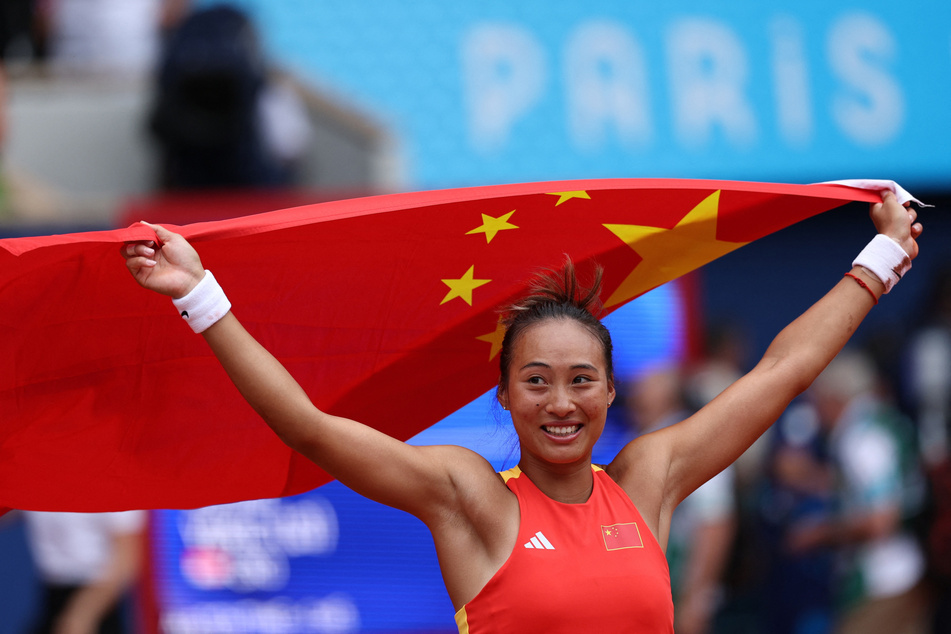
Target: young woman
<point>555,544</point>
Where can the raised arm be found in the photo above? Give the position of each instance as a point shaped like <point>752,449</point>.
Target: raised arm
<point>686,455</point>
<point>414,479</point>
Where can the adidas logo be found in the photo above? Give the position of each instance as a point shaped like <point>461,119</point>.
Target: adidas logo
<point>539,541</point>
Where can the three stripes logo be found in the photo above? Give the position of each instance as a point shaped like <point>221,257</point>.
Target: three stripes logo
<point>540,542</point>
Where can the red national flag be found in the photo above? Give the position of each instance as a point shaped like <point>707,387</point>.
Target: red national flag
<point>384,308</point>
<point>618,536</point>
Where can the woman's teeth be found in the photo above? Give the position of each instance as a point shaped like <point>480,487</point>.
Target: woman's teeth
<point>563,430</point>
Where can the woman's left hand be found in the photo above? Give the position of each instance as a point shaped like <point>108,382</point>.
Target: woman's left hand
<point>897,222</point>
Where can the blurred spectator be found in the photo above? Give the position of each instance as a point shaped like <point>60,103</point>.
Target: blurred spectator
<point>21,196</point>
<point>221,119</point>
<point>105,36</point>
<point>725,359</point>
<point>3,106</point>
<point>87,562</point>
<point>878,488</point>
<point>929,391</point>
<point>702,528</point>
<point>929,375</point>
<point>16,30</point>
<point>939,546</point>
<point>797,490</point>
<point>5,202</point>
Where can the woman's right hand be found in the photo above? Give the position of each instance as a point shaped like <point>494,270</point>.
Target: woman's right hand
<point>168,265</point>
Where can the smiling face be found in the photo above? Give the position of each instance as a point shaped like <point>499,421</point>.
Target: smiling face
<point>558,391</point>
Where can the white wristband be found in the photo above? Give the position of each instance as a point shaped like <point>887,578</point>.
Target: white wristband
<point>885,259</point>
<point>204,305</point>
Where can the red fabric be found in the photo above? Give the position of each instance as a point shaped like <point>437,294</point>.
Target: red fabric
<point>566,575</point>
<point>108,402</point>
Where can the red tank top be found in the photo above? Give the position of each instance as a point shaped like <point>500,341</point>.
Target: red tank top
<point>592,567</point>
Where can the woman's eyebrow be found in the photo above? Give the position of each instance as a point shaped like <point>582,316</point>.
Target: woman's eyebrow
<point>535,364</point>
<point>542,364</point>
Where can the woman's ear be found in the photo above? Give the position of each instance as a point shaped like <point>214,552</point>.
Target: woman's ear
<point>502,397</point>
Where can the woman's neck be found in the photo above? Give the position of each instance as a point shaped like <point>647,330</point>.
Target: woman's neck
<point>569,484</point>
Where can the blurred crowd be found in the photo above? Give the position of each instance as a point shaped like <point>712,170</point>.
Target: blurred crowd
<point>220,116</point>
<point>838,520</point>
<point>88,36</point>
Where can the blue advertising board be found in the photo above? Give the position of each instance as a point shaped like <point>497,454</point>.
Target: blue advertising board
<point>496,91</point>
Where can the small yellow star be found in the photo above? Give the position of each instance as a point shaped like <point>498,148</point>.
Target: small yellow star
<point>491,226</point>
<point>670,253</point>
<point>564,196</point>
<point>495,338</point>
<point>463,286</point>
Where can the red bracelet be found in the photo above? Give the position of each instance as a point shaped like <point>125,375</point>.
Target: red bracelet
<point>863,285</point>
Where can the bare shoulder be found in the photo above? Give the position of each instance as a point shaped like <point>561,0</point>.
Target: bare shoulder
<point>477,487</point>
<point>483,510</point>
<point>460,459</point>
<point>645,457</point>
<point>641,469</point>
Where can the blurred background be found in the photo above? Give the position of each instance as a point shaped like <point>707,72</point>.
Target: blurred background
<point>839,519</point>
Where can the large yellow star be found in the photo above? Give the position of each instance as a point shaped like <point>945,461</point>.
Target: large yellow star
<point>670,253</point>
<point>463,286</point>
<point>564,196</point>
<point>495,338</point>
<point>491,226</point>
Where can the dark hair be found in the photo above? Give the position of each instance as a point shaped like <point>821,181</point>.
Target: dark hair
<point>556,294</point>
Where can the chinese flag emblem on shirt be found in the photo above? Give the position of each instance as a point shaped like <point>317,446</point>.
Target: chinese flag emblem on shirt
<point>385,310</point>
<point>618,536</point>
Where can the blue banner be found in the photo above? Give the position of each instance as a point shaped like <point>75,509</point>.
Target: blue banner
<point>495,91</point>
